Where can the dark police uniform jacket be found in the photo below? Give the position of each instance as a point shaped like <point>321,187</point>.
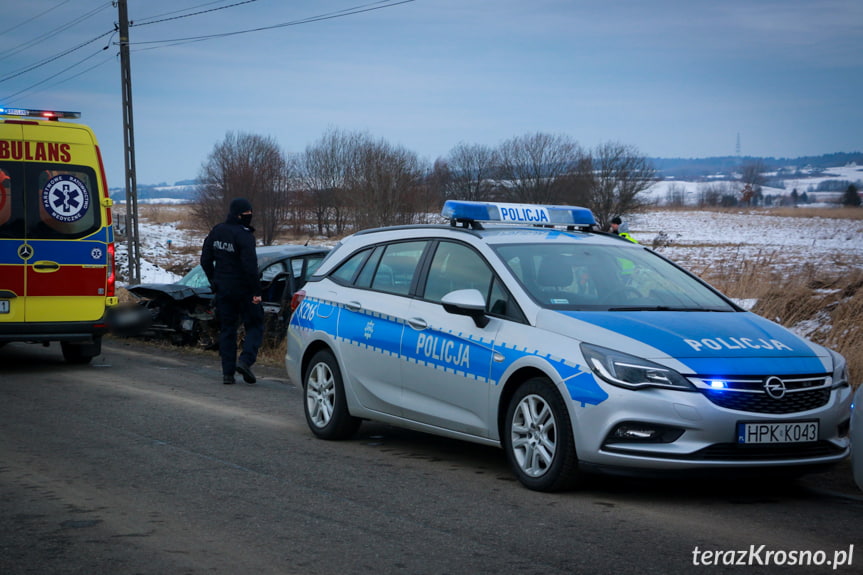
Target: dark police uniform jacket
<point>230,261</point>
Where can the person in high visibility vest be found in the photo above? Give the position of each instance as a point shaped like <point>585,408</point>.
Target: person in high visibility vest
<point>620,229</point>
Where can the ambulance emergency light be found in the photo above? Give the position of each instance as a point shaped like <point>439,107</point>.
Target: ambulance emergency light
<point>28,113</point>
<point>532,214</point>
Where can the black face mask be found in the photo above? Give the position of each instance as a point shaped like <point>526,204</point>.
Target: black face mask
<point>246,219</point>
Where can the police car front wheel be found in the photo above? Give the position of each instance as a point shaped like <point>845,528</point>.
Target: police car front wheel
<point>325,406</point>
<point>538,438</point>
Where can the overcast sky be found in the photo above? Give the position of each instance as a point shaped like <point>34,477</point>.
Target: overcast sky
<point>674,78</point>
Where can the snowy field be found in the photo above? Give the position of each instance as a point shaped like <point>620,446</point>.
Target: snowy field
<point>696,239</point>
<point>690,192</point>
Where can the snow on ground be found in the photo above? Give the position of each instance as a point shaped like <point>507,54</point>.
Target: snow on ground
<point>696,238</point>
<point>689,193</point>
<point>850,173</point>
<point>161,245</point>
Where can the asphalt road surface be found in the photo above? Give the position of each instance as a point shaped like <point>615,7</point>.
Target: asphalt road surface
<point>144,463</point>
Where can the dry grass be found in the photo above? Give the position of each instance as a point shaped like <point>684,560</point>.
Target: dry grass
<point>837,213</point>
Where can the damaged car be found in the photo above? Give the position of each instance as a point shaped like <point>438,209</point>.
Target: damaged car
<point>184,312</point>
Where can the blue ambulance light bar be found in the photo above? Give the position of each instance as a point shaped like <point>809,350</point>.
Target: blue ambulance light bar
<point>47,114</point>
<point>532,214</point>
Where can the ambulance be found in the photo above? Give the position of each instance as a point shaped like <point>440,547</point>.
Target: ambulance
<point>57,279</point>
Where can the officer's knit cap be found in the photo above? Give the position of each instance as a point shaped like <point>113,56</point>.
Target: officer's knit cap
<point>240,205</point>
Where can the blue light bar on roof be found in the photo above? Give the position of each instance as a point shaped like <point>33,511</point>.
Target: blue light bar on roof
<point>517,213</point>
<point>49,114</point>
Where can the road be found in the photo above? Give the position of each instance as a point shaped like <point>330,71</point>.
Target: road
<point>144,463</point>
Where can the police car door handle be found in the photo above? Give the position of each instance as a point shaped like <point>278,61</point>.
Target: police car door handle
<point>354,305</point>
<point>45,266</point>
<point>418,323</point>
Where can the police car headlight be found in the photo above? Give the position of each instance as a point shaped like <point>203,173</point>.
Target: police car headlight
<point>631,372</point>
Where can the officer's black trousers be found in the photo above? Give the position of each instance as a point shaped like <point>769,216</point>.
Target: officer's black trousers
<point>231,309</point>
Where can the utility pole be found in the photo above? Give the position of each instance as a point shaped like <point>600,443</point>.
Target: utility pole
<point>133,240</point>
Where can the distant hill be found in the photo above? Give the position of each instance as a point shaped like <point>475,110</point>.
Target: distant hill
<point>180,192</point>
<point>698,168</point>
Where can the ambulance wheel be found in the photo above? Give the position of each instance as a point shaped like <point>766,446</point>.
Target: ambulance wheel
<point>81,353</point>
<point>538,438</point>
<point>325,405</point>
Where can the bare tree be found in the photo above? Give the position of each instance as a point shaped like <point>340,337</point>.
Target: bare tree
<point>325,169</point>
<point>385,184</point>
<point>715,193</point>
<point>676,195</point>
<point>470,168</point>
<point>439,182</point>
<point>851,198</point>
<point>248,166</point>
<point>536,168</point>
<point>618,174</point>
<point>752,173</point>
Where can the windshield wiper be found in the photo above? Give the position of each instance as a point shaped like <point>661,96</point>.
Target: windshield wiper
<point>663,308</point>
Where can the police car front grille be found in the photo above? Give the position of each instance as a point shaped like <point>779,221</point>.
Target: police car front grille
<point>747,393</point>
<point>760,402</point>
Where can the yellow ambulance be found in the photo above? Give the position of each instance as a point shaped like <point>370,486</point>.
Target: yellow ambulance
<point>57,280</point>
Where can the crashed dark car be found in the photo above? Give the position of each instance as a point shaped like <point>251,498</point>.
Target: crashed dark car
<point>184,310</point>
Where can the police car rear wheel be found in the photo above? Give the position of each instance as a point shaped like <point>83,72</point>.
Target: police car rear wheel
<point>325,406</point>
<point>538,438</point>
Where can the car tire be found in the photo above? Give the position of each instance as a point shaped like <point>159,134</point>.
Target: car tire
<point>325,405</point>
<point>203,335</point>
<point>538,438</point>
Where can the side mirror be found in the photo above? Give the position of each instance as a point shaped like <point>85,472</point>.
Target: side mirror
<point>469,302</point>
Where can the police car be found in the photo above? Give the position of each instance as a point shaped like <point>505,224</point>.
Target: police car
<point>574,351</point>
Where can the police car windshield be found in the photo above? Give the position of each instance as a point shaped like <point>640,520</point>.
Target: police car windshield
<point>606,277</point>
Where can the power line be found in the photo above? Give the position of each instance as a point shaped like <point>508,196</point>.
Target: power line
<point>163,14</point>
<point>378,5</point>
<point>52,58</point>
<point>65,26</point>
<point>30,88</point>
<point>30,19</point>
<point>328,16</point>
<point>133,24</point>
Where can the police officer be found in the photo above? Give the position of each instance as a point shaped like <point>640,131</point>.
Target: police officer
<point>621,230</point>
<point>229,259</point>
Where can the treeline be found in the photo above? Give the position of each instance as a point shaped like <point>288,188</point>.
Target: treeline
<point>348,181</point>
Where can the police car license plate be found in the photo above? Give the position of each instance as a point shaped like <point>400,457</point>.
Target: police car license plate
<point>765,432</point>
<point>4,306</point>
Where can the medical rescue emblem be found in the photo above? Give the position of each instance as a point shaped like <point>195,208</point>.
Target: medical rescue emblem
<point>65,198</point>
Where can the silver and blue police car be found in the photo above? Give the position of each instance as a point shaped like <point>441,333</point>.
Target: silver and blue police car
<point>575,351</point>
